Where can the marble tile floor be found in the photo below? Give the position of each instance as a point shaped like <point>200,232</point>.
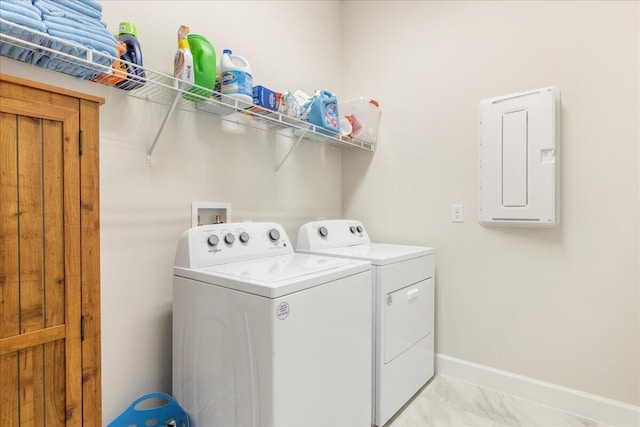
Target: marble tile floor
<point>448,402</point>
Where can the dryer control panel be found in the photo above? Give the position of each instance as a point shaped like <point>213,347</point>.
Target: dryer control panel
<point>215,244</point>
<point>333,233</point>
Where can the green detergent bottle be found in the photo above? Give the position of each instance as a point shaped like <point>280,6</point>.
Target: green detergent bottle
<point>204,66</point>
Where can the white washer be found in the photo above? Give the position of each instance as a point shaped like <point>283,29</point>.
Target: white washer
<point>403,279</point>
<point>266,337</point>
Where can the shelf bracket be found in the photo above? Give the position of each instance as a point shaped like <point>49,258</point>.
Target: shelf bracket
<point>164,122</point>
<point>290,151</point>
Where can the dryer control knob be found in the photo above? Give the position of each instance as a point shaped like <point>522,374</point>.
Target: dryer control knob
<point>274,234</point>
<point>213,240</point>
<point>323,231</point>
<point>359,228</point>
<point>352,229</point>
<point>244,237</point>
<point>229,238</point>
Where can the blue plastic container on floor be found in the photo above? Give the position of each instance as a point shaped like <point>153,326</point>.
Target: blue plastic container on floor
<point>169,414</point>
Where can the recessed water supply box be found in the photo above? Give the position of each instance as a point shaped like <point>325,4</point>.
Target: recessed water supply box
<point>204,213</point>
<point>519,159</point>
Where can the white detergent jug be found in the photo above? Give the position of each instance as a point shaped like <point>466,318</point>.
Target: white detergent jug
<point>236,77</point>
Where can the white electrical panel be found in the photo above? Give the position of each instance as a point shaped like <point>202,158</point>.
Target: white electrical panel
<point>519,167</point>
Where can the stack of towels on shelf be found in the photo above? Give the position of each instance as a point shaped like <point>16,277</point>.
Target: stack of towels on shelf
<point>27,15</point>
<point>77,21</point>
<point>75,26</point>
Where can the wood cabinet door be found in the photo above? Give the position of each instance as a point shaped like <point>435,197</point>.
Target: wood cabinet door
<point>41,303</point>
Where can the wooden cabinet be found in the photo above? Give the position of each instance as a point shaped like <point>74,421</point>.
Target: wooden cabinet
<point>49,256</point>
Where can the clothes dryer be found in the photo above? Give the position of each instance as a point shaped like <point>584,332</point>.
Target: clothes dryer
<point>263,336</point>
<point>403,283</point>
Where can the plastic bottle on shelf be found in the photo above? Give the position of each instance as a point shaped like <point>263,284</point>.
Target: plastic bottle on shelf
<point>323,112</point>
<point>204,67</point>
<point>118,72</point>
<point>127,34</point>
<point>364,116</point>
<point>237,81</point>
<point>183,61</point>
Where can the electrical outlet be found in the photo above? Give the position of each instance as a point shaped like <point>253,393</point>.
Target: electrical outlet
<point>456,213</point>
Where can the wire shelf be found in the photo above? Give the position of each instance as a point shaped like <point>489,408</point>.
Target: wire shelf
<point>43,50</point>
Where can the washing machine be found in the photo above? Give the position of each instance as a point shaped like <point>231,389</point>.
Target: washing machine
<point>263,336</point>
<point>403,309</point>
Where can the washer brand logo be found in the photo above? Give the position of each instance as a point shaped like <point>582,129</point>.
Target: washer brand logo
<point>283,311</point>
<point>213,251</point>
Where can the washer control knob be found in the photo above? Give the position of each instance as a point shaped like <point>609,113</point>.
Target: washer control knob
<point>244,237</point>
<point>352,229</point>
<point>213,240</point>
<point>359,228</point>
<point>229,238</point>
<point>274,234</point>
<point>323,231</point>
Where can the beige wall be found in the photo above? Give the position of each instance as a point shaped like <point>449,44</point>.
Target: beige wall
<point>559,305</point>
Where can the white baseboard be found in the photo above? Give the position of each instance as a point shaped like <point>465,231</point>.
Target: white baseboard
<point>609,411</point>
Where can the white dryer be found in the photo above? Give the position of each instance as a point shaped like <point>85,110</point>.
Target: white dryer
<point>403,279</point>
<point>263,336</point>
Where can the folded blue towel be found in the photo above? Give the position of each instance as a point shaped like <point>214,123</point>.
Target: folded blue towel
<point>69,66</point>
<point>69,25</point>
<point>48,9</point>
<point>10,50</point>
<point>21,19</point>
<point>69,8</point>
<point>91,35</point>
<point>22,7</point>
<point>77,22</point>
<point>93,4</point>
<point>72,20</point>
<point>62,65</point>
<point>86,38</point>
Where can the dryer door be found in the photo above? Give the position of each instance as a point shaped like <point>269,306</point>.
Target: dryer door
<point>408,317</point>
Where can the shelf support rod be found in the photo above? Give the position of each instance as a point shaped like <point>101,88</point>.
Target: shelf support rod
<point>164,122</point>
<point>290,151</point>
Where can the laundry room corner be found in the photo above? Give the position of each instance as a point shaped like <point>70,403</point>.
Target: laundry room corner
<point>528,301</point>
<point>352,263</point>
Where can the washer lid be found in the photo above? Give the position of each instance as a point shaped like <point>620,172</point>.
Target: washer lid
<point>277,276</point>
<point>376,253</point>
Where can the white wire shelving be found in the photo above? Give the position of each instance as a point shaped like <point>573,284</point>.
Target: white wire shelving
<point>43,50</point>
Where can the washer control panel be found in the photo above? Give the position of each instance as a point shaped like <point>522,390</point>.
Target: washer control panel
<point>215,244</point>
<point>331,234</point>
